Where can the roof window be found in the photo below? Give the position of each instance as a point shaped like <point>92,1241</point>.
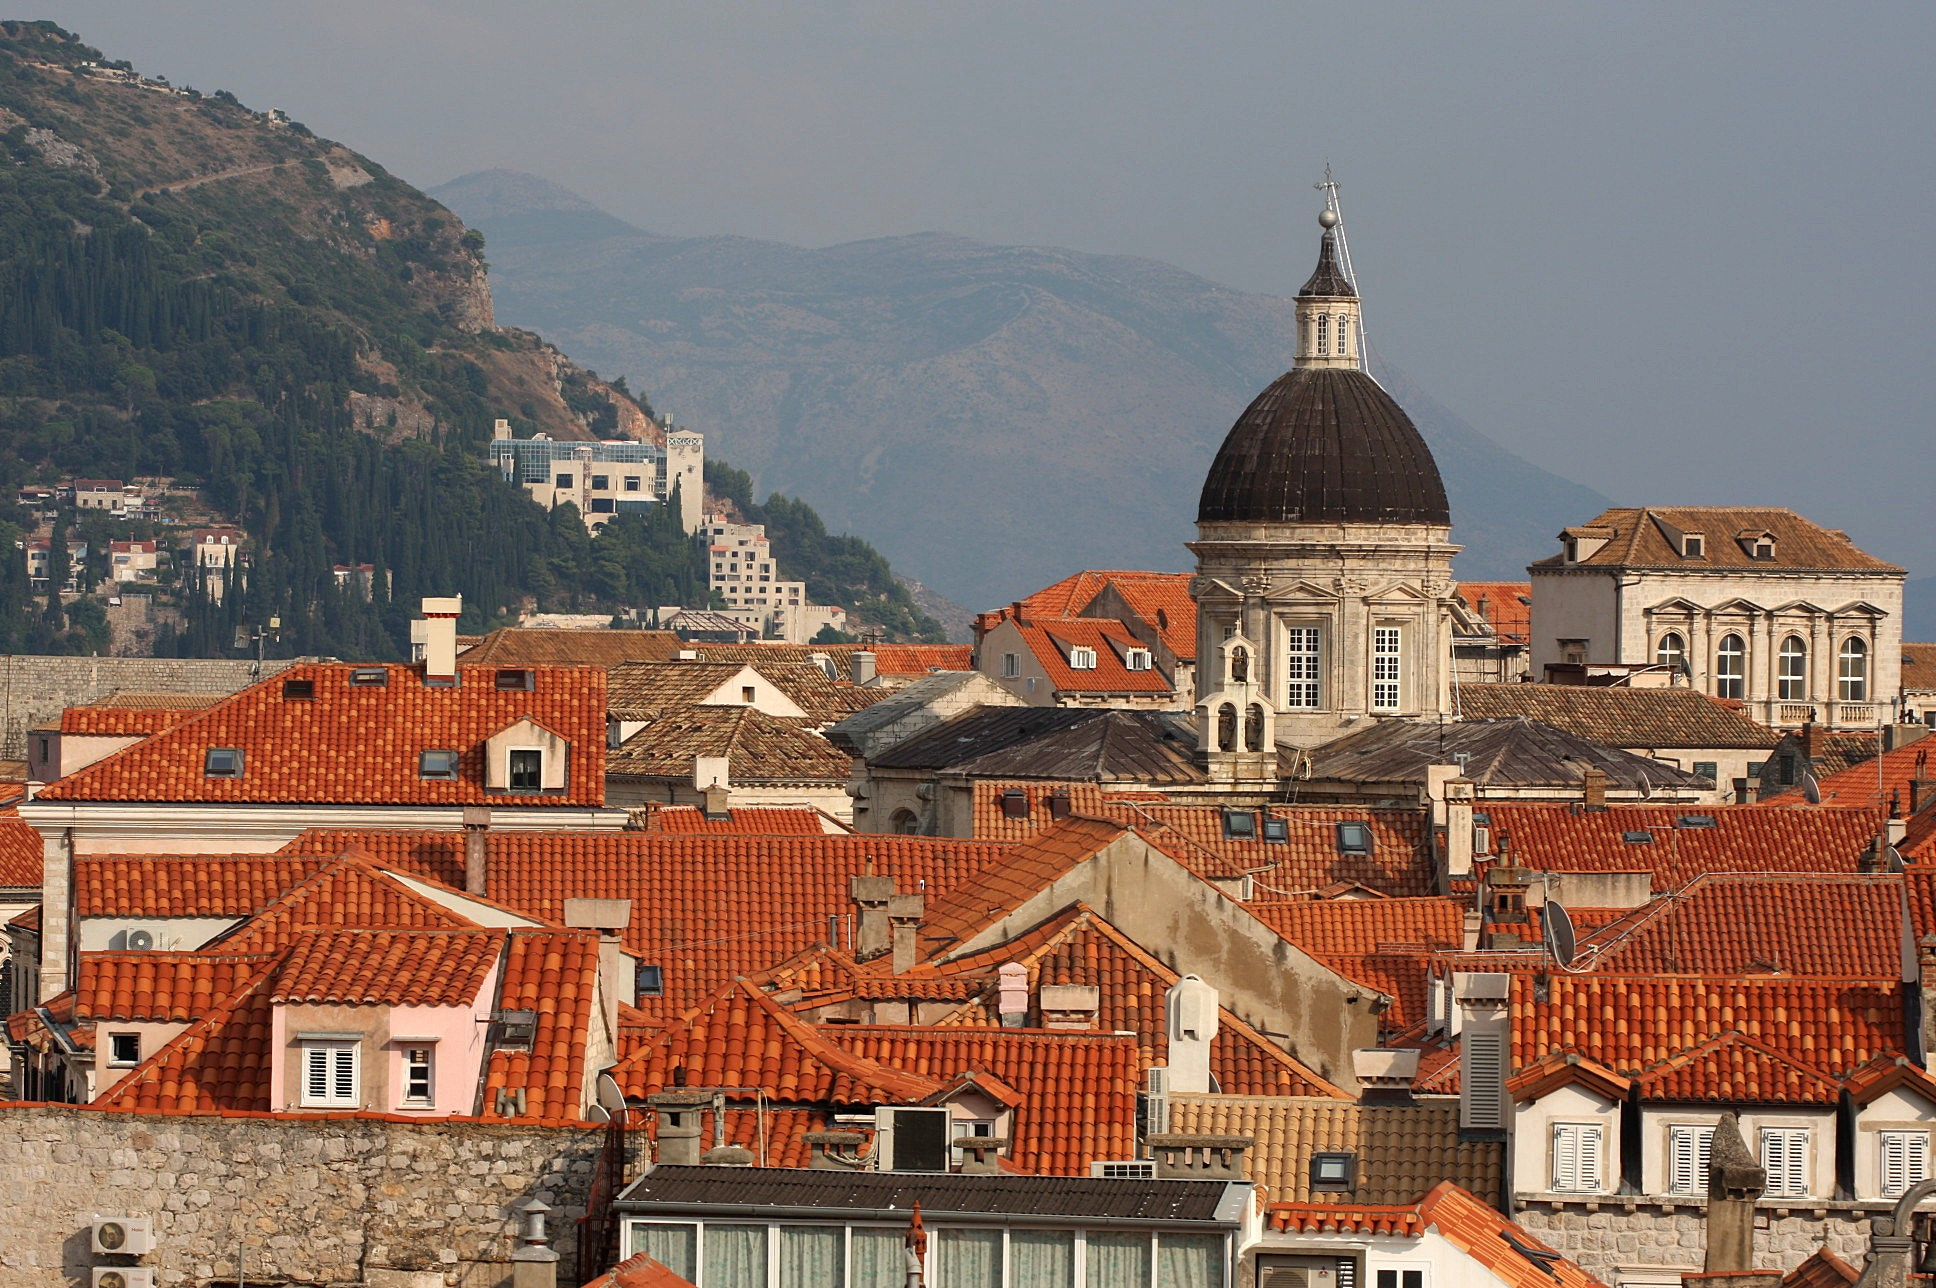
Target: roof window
<point>369,677</point>
<point>516,1030</point>
<point>517,680</point>
<point>1693,545</point>
<point>1240,825</point>
<point>223,762</point>
<point>1696,820</point>
<point>438,763</point>
<point>1354,837</point>
<point>651,980</point>
<point>1276,829</point>
<point>299,690</point>
<point>1082,659</point>
<point>1060,806</point>
<point>1334,1171</point>
<point>1137,659</point>
<point>1015,803</point>
<point>1638,837</point>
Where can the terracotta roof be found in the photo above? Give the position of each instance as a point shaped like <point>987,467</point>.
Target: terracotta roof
<point>1563,1068</point>
<point>1378,942</point>
<point>1630,718</point>
<point>1340,1218</point>
<point>171,885</point>
<point>1886,1073</point>
<point>705,908</point>
<point>160,985</point>
<point>1918,668</point>
<point>1821,1269</point>
<point>358,743</point>
<point>642,689</point>
<point>1053,642</point>
<point>760,747</point>
<point>743,820</point>
<point>1039,802</point>
<point>134,699</point>
<point>1309,857</point>
<point>22,856</point>
<point>1630,1023</point>
<point>517,646</point>
<point>1560,838</point>
<point>349,894</point>
<point>1023,871</point>
<point>28,920</point>
<point>640,1271</point>
<point>1846,927</point>
<point>388,967</point>
<point>1648,538</point>
<point>138,721</point>
<point>1506,606</point>
<point>554,973</point>
<point>891,661</point>
<point>220,1062</point>
<point>1731,1069</point>
<point>1873,786</point>
<point>1403,1150</point>
<point>1162,599</point>
<point>1831,752</point>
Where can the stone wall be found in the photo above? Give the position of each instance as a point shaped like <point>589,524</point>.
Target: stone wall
<point>382,1203</point>
<point>33,690</point>
<point>1619,1241</point>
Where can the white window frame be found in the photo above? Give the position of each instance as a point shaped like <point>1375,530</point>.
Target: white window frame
<point>510,758</point>
<point>1689,1148</point>
<point>1082,658</point>
<point>1791,683</point>
<point>114,1039</point>
<point>1137,659</point>
<point>1578,1158</point>
<point>1387,668</point>
<point>1785,1155</point>
<point>1852,670</point>
<point>406,1066</point>
<point>1902,1161</point>
<point>1731,667</point>
<point>1671,650</point>
<point>341,1065</point>
<point>1303,668</point>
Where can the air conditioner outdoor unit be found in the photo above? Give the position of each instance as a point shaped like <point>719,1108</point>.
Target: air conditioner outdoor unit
<point>1298,1272</point>
<point>132,1236</point>
<point>123,1277</point>
<point>913,1140</point>
<point>140,941</point>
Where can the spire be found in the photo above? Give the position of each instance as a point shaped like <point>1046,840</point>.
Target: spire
<point>1328,330</point>
<point>1328,278</point>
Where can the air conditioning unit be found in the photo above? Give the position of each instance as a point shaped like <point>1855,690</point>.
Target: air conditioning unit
<point>132,1236</point>
<point>1481,840</point>
<point>123,1277</point>
<point>140,941</point>
<point>1298,1272</point>
<point>913,1140</point>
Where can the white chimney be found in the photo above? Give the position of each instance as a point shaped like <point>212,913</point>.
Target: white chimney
<point>1482,998</point>
<point>865,667</point>
<point>1458,827</point>
<point>440,637</point>
<point>1190,1013</point>
<point>711,771</point>
<point>1013,997</point>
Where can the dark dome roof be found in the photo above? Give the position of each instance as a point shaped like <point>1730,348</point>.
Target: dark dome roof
<point>1328,280</point>
<point>1323,444</point>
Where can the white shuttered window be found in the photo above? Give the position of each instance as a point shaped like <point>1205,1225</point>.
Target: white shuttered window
<point>1576,1158</point>
<point>330,1073</point>
<point>1687,1159</point>
<point>1905,1160</point>
<point>1784,1153</point>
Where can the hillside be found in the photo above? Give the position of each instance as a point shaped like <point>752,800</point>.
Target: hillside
<point>197,292</point>
<point>993,416</point>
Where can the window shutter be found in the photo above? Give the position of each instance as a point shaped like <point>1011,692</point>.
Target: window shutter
<point>1482,1078</point>
<point>1917,1170</point>
<point>1589,1158</point>
<point>1566,1157</point>
<point>315,1073</point>
<point>1688,1154</point>
<point>1895,1163</point>
<point>343,1076</point>
<point>1784,1153</point>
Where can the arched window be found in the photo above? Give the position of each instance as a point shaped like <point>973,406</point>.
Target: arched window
<point>1671,652</point>
<point>1253,728</point>
<point>1240,665</point>
<point>1227,727</point>
<point>1852,671</point>
<point>1324,334</point>
<point>905,823</point>
<point>1343,326</point>
<point>1730,668</point>
<point>1791,677</point>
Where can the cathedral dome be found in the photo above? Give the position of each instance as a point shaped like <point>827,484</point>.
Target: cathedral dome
<point>1325,445</point>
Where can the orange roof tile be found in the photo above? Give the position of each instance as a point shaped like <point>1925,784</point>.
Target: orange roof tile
<point>1744,838</point>
<point>1886,1073</point>
<point>1498,1244</point>
<point>1821,1269</point>
<point>388,967</point>
<point>1733,1069</point>
<point>221,1062</point>
<point>1052,641</point>
<point>1867,785</point>
<point>1750,925</point>
<point>1346,1218</point>
<point>358,743</point>
<point>1918,667</point>
<point>1381,943</point>
<point>554,973</point>
<point>689,820</point>
<point>349,894</point>
<point>140,721</point>
<point>1507,606</point>
<point>639,1271</point>
<point>1647,538</point>
<point>704,908</point>
<point>160,985</point>
<point>1562,1068</point>
<point>1308,859</point>
<point>21,853</point>
<point>1024,871</point>
<point>170,885</point>
<point>1163,600</point>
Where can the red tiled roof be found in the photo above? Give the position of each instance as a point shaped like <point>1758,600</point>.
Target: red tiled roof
<point>1346,1218</point>
<point>1847,927</point>
<point>1400,863</point>
<point>349,894</point>
<point>170,885</point>
<point>221,1062</point>
<point>140,721</point>
<point>358,743</point>
<point>21,853</point>
<point>555,973</point>
<point>28,920</point>
<point>1562,1068</point>
<point>1736,1070</point>
<point>759,748</point>
<point>388,967</point>
<point>743,820</point>
<point>1642,538</point>
<point>1918,668</point>
<point>1507,607</point>
<point>1866,785</point>
<point>1023,871</point>
<point>1052,641</point>
<point>1163,600</point>
<point>704,908</point>
<point>1821,1269</point>
<point>1381,943</point>
<point>639,1271</point>
<point>1744,838</point>
<point>516,646</point>
<point>160,985</point>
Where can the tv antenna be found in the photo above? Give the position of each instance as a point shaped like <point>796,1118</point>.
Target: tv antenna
<point>1332,219</point>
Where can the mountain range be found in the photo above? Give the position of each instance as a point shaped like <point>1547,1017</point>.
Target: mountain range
<point>993,417</point>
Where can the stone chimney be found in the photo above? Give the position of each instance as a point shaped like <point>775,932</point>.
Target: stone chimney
<point>904,913</point>
<point>1385,1075</point>
<point>1190,1015</point>
<point>1902,733</point>
<point>609,917</point>
<point>1181,1157</point>
<point>821,1147</point>
<point>866,667</point>
<point>1070,1006</point>
<point>712,771</point>
<point>1734,1183</point>
<point>981,1154</point>
<point>718,802</point>
<point>1593,788</point>
<point>535,1263</point>
<point>1805,737</point>
<point>677,1117</point>
<point>872,936</point>
<point>1506,891</point>
<point>440,638</point>
<point>727,1156</point>
<point>1458,829</point>
<point>477,850</point>
<point>1012,995</point>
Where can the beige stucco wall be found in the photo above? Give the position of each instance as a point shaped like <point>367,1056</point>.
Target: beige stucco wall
<point>1532,1137</point>
<point>1891,1111</point>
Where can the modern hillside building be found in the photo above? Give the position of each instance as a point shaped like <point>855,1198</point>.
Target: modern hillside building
<point>607,478</point>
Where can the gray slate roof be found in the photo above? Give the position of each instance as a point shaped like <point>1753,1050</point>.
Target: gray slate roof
<point>1080,745</point>
<point>1505,753</point>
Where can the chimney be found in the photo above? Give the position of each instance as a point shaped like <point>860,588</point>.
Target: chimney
<point>824,1150</point>
<point>711,771</point>
<point>1806,737</point>
<point>1385,1076</point>
<point>1070,1006</point>
<point>1593,783</point>
<point>1181,1157</point>
<point>477,848</point>
<point>1475,925</point>
<point>1734,1182</point>
<point>865,667</point>
<point>609,917</point>
<point>440,638</point>
<point>727,1156</point>
<point>1902,733</point>
<point>677,1115</point>
<point>718,802</point>
<point>1190,1016</point>
<point>1012,992</point>
<point>535,1263</point>
<point>981,1154</point>
<point>904,913</point>
<point>1458,829</point>
<point>1482,1001</point>
<point>872,936</point>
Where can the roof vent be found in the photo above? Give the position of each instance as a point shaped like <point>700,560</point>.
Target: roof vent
<point>516,1029</point>
<point>1638,837</point>
<point>1015,803</point>
<point>369,677</point>
<point>1696,820</point>
<point>299,690</point>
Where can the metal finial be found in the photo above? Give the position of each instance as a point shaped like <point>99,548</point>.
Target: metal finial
<point>1327,218</point>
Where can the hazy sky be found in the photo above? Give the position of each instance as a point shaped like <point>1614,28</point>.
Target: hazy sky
<point>1680,252</point>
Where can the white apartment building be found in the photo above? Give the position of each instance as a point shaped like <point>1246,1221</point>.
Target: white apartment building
<point>742,568</point>
<point>608,478</point>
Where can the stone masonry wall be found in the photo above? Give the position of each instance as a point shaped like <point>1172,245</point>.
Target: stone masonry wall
<point>33,689</point>
<point>376,1203</point>
<point>1615,1243</point>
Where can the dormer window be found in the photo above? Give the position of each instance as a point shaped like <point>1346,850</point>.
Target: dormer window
<point>515,681</point>
<point>1137,659</point>
<point>1015,803</point>
<point>1693,545</point>
<point>1082,659</point>
<point>526,769</point>
<point>369,677</point>
<point>223,762</point>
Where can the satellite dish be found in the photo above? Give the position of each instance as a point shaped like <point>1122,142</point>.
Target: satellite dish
<point>1892,860</point>
<point>610,1098</point>
<point>1559,932</point>
<point>1646,787</point>
<point>140,941</point>
<point>598,1114</point>
<point>1811,789</point>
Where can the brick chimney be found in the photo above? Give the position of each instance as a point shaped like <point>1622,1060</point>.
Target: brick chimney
<point>1181,1157</point>
<point>440,638</point>
<point>872,935</point>
<point>1805,736</point>
<point>1593,783</point>
<point>477,850</point>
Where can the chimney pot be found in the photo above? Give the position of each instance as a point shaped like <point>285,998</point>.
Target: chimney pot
<point>866,667</point>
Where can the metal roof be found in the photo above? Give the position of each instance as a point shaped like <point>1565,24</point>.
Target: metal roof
<point>1519,753</point>
<point>1093,744</point>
